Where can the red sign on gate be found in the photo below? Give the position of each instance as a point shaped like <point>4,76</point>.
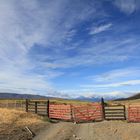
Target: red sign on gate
<point>134,113</point>
<point>89,112</point>
<point>60,111</point>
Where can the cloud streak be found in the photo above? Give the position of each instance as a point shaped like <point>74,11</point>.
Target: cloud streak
<point>99,29</point>
<point>111,85</point>
<point>128,7</point>
<point>117,74</point>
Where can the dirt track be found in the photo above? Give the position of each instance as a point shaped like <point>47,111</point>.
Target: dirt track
<point>106,130</point>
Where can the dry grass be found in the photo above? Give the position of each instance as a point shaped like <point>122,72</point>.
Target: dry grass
<point>9,116</point>
<point>63,101</point>
<point>13,122</point>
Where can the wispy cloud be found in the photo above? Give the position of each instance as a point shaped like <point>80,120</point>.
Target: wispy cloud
<point>92,94</point>
<point>117,74</point>
<point>124,81</point>
<point>128,6</point>
<point>105,52</point>
<point>99,29</point>
<point>111,85</point>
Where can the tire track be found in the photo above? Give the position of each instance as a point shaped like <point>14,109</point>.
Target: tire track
<point>58,131</point>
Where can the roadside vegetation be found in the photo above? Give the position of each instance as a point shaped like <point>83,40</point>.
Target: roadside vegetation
<point>13,124</point>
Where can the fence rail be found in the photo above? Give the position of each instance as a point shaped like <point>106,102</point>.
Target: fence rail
<point>115,112</point>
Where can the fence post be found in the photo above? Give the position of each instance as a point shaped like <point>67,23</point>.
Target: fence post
<point>103,107</point>
<point>15,104</point>
<point>36,107</point>
<point>48,105</point>
<point>72,118</point>
<point>26,103</point>
<point>124,112</point>
<point>128,115</point>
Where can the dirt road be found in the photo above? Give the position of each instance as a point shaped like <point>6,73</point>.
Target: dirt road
<point>106,130</point>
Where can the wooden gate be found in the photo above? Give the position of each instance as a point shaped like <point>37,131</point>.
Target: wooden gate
<point>38,107</point>
<point>114,112</point>
<point>89,112</point>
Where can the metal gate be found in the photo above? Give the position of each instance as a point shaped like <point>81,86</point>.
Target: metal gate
<point>114,112</point>
<point>85,113</point>
<point>134,113</point>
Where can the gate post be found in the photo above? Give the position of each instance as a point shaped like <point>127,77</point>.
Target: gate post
<point>124,112</point>
<point>72,117</point>
<point>48,105</point>
<point>103,108</point>
<point>36,107</point>
<point>26,105</point>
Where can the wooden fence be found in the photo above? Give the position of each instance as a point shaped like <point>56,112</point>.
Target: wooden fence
<point>134,113</point>
<point>38,107</point>
<point>16,104</point>
<point>84,113</point>
<point>115,112</point>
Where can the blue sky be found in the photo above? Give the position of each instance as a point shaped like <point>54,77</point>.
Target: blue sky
<point>70,48</point>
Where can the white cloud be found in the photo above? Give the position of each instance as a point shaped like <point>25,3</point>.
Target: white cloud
<point>127,6</point>
<point>111,85</point>
<point>90,93</point>
<point>21,83</point>
<point>117,74</point>
<point>99,29</point>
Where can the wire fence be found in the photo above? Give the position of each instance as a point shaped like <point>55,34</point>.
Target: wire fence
<point>16,104</point>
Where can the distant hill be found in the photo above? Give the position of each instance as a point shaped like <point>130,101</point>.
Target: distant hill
<point>31,96</point>
<point>134,97</point>
<point>20,96</point>
<point>81,98</point>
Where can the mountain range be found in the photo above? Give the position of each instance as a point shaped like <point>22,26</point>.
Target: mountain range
<point>82,98</point>
<point>20,96</point>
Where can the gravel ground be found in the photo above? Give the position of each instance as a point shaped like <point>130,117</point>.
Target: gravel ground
<point>106,130</point>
